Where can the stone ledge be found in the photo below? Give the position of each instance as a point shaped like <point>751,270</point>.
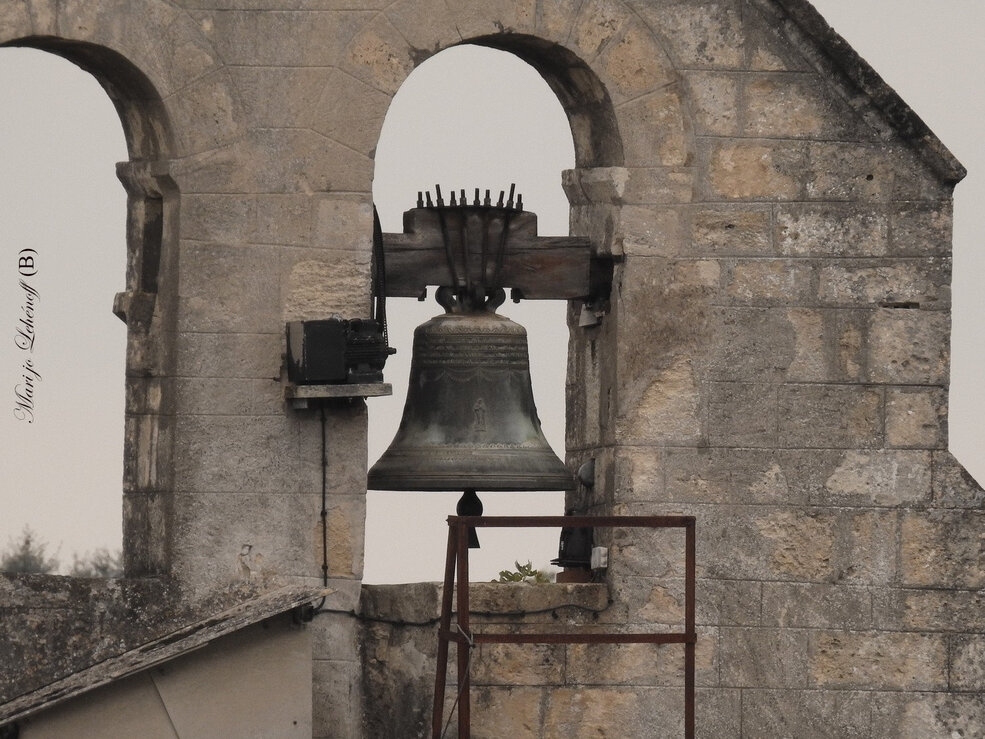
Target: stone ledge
<point>420,603</point>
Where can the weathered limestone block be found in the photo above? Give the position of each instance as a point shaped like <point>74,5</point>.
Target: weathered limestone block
<point>752,170</point>
<point>809,363</point>
<point>789,106</point>
<point>320,283</point>
<point>346,524</point>
<point>640,664</point>
<point>287,38</point>
<point>662,303</point>
<point>929,610</point>
<point>804,713</point>
<point>346,472</point>
<point>720,712</point>
<point>555,18</point>
<point>631,65</point>
<point>920,715</point>
<point>147,440</point>
<point>217,540</point>
<point>926,283</point>
<point>299,160</point>
<point>800,545</point>
<point>715,99</point>
<point>849,172</point>
<point>659,185</point>
<point>598,23</point>
<point>475,18</point>
<point>585,712</point>
<point>518,664</point>
<point>245,299</point>
<point>725,476</point>
<point>427,26</point>
<point>878,477</point>
<point>728,602</point>
<point>699,35</point>
<point>337,711</point>
<point>830,345</point>
<point>914,180</point>
<point>379,55</point>
<point>210,396</point>
<point>226,219</point>
<point>214,171</point>
<point>770,281</point>
<point>740,414</point>
<point>654,130</point>
<point>211,102</point>
<point>831,229</point>
<point>731,230</point>
<point>909,347</point>
<point>505,711</point>
<point>816,606</point>
<point>230,355</point>
<point>344,222</point>
<point>876,660</point>
<point>284,219</point>
<point>15,19</point>
<point>764,658</point>
<point>647,553</point>
<point>650,231</point>
<point>954,487</point>
<point>825,416</point>
<point>854,546</point>
<point>668,411</point>
<point>585,389</point>
<point>335,636</point>
<point>916,418</point>
<point>279,97</point>
<point>223,453</point>
<point>921,228</point>
<point>943,548</point>
<point>967,662</point>
<point>347,111</point>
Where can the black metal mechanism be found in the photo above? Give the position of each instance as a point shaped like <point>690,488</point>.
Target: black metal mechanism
<point>469,422</point>
<point>338,350</point>
<point>575,548</point>
<point>456,585</point>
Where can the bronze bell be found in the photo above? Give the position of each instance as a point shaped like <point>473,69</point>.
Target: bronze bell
<point>469,422</point>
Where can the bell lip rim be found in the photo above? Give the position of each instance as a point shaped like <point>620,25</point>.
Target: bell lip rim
<point>434,484</point>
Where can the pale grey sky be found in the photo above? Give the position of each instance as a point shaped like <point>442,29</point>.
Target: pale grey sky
<point>62,474</point>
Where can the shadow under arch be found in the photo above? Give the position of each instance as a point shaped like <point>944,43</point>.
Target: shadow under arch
<point>148,305</point>
<point>586,102</point>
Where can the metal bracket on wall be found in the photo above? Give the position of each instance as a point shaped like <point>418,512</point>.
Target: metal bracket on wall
<point>458,560</point>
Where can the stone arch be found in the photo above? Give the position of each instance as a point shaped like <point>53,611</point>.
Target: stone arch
<point>147,305</point>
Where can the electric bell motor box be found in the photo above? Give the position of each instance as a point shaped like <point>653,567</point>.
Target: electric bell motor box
<point>335,351</point>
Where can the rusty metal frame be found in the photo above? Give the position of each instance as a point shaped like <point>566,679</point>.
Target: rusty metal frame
<point>457,562</point>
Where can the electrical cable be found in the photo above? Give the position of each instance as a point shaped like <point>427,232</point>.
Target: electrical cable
<point>324,512</point>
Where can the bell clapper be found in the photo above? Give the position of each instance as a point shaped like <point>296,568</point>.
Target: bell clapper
<point>470,505</point>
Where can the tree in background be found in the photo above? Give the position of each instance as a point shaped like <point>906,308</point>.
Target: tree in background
<point>100,563</point>
<point>27,555</point>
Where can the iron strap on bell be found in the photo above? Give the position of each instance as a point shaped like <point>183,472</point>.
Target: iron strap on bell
<point>469,422</point>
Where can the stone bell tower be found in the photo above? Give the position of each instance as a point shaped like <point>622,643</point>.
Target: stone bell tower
<point>772,359</point>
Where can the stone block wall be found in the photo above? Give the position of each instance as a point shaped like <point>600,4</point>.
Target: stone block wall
<point>773,357</point>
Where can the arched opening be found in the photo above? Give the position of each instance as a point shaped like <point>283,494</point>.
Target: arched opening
<point>469,117</point>
<point>60,198</point>
<point>69,456</point>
